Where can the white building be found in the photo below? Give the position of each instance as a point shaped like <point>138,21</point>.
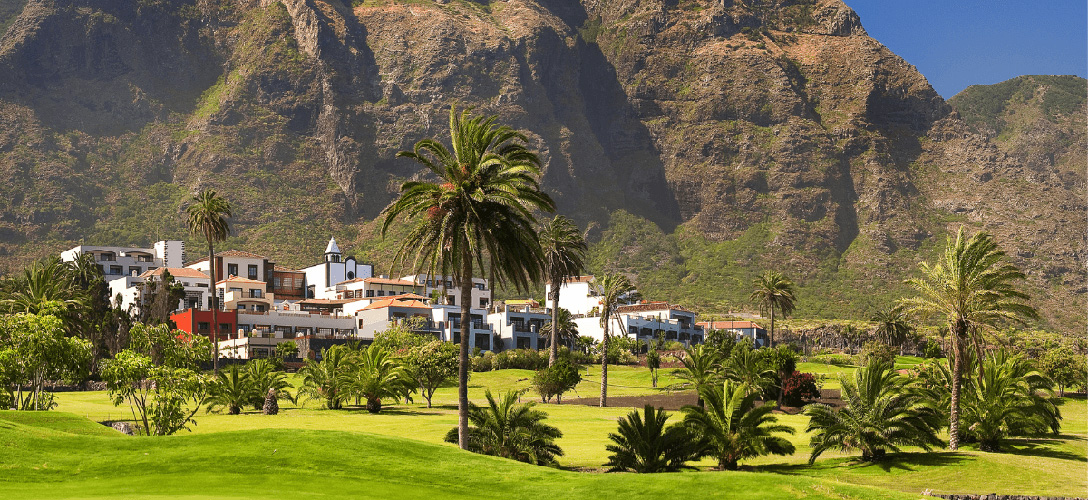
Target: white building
<point>382,314</point>
<point>578,295</point>
<point>519,325</point>
<point>448,319</point>
<point>645,321</point>
<point>480,295</point>
<point>117,262</point>
<point>375,288</point>
<point>236,263</point>
<point>280,324</point>
<point>321,279</point>
<point>127,292</point>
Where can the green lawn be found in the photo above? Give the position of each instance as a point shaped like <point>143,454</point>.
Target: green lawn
<point>1054,467</point>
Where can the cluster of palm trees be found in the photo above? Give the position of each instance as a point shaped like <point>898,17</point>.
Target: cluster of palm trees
<point>370,373</point>
<point>256,383</point>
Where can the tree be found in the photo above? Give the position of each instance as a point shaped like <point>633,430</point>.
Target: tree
<point>1012,399</point>
<point>653,362</point>
<point>556,379</point>
<point>564,250</point>
<point>643,444</point>
<point>232,390</point>
<point>747,368</point>
<point>327,379</point>
<point>477,213</point>
<point>376,376</point>
<point>37,351</point>
<point>702,369</point>
<point>973,288</point>
<point>267,381</point>
<point>773,291</point>
<point>286,350</point>
<point>511,430</point>
<point>611,288</point>
<point>158,377</point>
<point>892,327</point>
<point>568,330</point>
<point>732,428</point>
<point>1064,367</point>
<point>207,217</point>
<point>431,365</point>
<point>882,413</point>
<point>161,297</point>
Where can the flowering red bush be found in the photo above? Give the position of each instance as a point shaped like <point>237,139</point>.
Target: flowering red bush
<point>799,388</point>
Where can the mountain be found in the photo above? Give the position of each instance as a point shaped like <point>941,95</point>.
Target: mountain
<point>708,139</point>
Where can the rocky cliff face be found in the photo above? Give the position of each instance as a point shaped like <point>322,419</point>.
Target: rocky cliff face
<point>780,126</point>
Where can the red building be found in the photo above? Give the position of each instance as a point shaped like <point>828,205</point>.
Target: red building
<point>199,321</point>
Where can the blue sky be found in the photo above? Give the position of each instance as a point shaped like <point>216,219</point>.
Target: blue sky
<point>956,43</point>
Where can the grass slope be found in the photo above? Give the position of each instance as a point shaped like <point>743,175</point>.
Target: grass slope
<point>44,461</point>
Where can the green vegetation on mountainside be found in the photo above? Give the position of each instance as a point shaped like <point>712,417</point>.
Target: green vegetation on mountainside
<point>984,106</point>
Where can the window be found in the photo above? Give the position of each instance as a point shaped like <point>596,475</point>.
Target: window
<point>258,308</point>
<point>224,327</point>
<point>260,352</point>
<point>451,300</point>
<point>523,342</point>
<point>252,271</point>
<point>203,327</point>
<point>370,293</point>
<point>479,286</point>
<point>449,284</point>
<point>483,302</point>
<point>483,341</point>
<point>241,307</point>
<point>134,270</point>
<point>277,282</point>
<point>232,269</point>
<point>106,257</point>
<point>381,293</point>
<point>255,293</point>
<point>245,328</point>
<point>115,270</point>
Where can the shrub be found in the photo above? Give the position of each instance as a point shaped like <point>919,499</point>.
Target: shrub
<point>932,349</point>
<point>799,388</point>
<point>556,380</point>
<point>645,444</point>
<point>482,363</point>
<point>510,430</point>
<point>877,350</point>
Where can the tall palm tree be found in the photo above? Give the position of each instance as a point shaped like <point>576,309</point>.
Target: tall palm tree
<point>611,288</point>
<point>772,292</point>
<point>511,430</point>
<point>476,213</point>
<point>973,288</point>
<point>892,326</point>
<point>567,331</point>
<point>208,215</point>
<point>733,428</point>
<point>882,413</point>
<point>564,250</point>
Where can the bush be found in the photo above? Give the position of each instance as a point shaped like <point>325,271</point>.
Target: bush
<point>523,359</point>
<point>932,349</point>
<point>877,350</point>
<point>799,388</point>
<point>556,380</point>
<point>833,359</point>
<point>483,362</point>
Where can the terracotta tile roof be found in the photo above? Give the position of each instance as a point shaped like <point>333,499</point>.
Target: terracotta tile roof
<point>728,325</point>
<point>176,272</point>
<point>387,281</point>
<point>228,253</point>
<point>354,280</point>
<point>238,279</point>
<point>394,302</point>
<point>650,306</point>
<point>332,302</point>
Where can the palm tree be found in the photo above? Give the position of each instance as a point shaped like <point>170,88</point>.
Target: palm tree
<point>477,211</point>
<point>702,369</point>
<point>1012,400</point>
<point>611,288</point>
<point>564,250</point>
<point>643,444</point>
<point>892,326</point>
<point>747,369</point>
<point>732,428</point>
<point>773,291</point>
<point>377,376</point>
<point>510,430</point>
<point>568,330</point>
<point>264,377</point>
<point>327,379</point>
<point>972,287</point>
<point>231,390</point>
<point>45,283</point>
<point>882,413</point>
<point>208,218</point>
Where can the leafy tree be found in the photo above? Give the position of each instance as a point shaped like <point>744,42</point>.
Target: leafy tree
<point>564,250</point>
<point>556,379</point>
<point>1065,368</point>
<point>207,217</point>
<point>376,376</point>
<point>653,362</point>
<point>721,341</point>
<point>799,388</point>
<point>882,413</point>
<point>327,379</point>
<point>1012,400</point>
<point>702,369</point>
<point>161,297</point>
<point>36,351</point>
<point>732,428</point>
<point>892,327</point>
<point>431,365</point>
<point>477,213</point>
<point>611,288</point>
<point>511,430</point>
<point>773,291</point>
<point>971,287</point>
<point>157,376</point>
<point>266,379</point>
<point>232,390</point>
<point>643,444</point>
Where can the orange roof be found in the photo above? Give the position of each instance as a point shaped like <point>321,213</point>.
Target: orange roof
<point>387,281</point>
<point>395,302</point>
<point>728,325</point>
<point>236,279</point>
<point>353,280</point>
<point>177,272</point>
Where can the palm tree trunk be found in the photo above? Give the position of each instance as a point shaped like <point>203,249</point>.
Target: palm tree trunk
<point>604,365</point>
<point>462,367</point>
<point>957,375</point>
<point>770,341</point>
<point>215,309</point>
<point>553,351</point>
